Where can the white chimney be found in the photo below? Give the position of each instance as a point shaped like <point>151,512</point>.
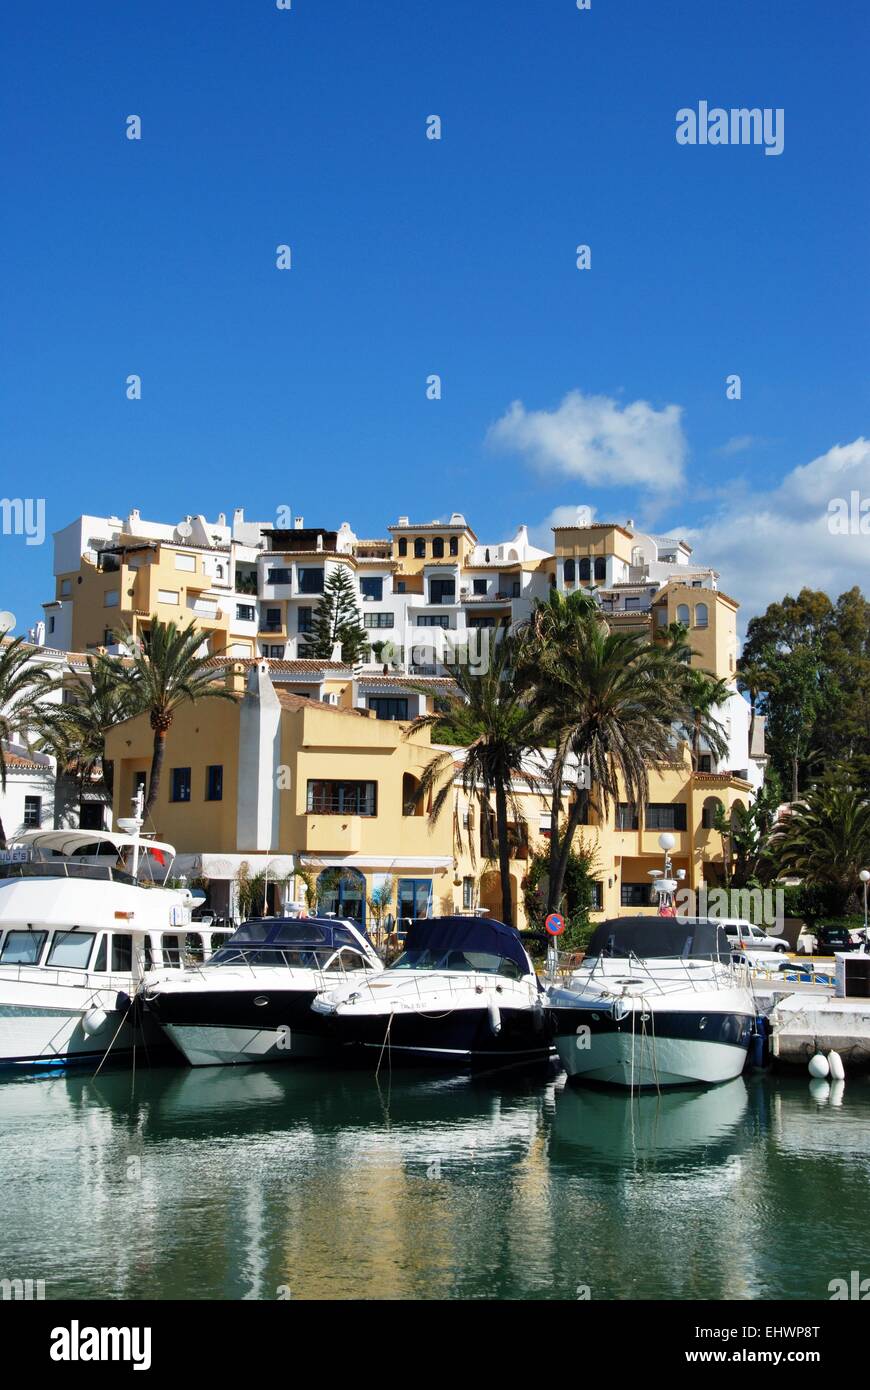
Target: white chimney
<point>403,521</point>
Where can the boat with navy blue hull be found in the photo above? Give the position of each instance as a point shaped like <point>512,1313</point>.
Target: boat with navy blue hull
<point>252,1001</point>
<point>656,1002</point>
<point>463,995</point>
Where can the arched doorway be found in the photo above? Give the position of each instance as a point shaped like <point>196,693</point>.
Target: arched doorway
<point>342,892</point>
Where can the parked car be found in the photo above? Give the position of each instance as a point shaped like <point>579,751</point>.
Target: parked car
<point>830,939</point>
<point>744,936</point>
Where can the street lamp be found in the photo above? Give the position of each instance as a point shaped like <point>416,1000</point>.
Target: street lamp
<point>865,879</point>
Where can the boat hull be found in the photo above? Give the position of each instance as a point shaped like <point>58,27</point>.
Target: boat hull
<point>669,1047</point>
<point>462,1040</point>
<point>214,1028</point>
<point>35,1037</point>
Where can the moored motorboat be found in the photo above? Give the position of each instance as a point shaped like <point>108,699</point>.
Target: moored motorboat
<point>462,995</point>
<point>77,934</point>
<point>656,1002</point>
<point>252,1001</point>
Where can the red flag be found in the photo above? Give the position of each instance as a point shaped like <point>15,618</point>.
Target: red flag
<point>158,854</point>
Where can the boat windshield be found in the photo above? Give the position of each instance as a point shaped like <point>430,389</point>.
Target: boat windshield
<point>22,947</point>
<point>434,958</point>
<point>251,955</point>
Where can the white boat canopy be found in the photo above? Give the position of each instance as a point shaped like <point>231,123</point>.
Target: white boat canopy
<point>67,842</point>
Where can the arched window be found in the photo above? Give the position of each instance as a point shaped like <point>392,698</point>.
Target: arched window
<point>219,572</point>
<point>709,810</point>
<point>683,614</point>
<point>454,545</point>
<point>569,571</point>
<point>438,548</point>
<point>420,548</point>
<point>701,615</point>
<point>411,804</point>
<point>585,569</point>
<point>600,567</point>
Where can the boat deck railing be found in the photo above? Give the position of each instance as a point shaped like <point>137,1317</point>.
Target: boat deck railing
<point>65,868</point>
<point>666,974</point>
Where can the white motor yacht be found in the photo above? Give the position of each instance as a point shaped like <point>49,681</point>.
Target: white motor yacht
<point>80,925</point>
<point>656,1002</point>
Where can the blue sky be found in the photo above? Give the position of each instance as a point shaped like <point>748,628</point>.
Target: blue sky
<point>307,388</point>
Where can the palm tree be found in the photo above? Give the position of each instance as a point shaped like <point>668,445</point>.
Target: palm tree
<point>612,699</point>
<point>76,730</point>
<point>703,694</point>
<point>22,682</point>
<point>492,719</point>
<point>753,678</point>
<point>825,838</point>
<point>166,673</point>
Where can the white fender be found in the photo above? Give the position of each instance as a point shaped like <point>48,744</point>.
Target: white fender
<point>818,1067</point>
<point>93,1020</point>
<point>494,1017</point>
<point>835,1062</point>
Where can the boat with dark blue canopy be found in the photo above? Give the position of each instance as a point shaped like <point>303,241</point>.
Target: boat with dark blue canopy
<point>463,994</point>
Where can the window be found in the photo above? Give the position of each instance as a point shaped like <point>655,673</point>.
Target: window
<point>665,816</point>
<point>51,624</point>
<point>433,620</point>
<point>332,798</point>
<point>388,707</point>
<point>403,546</point>
<point>246,613</point>
<point>515,588</point>
<point>22,947</point>
<point>454,545</point>
<point>635,895</point>
<point>311,581</point>
<point>276,653</point>
<point>415,895</point>
<point>71,949</point>
<point>65,587</point>
<point>108,637</point>
<point>442,590</point>
<point>683,614</point>
<point>305,620</point>
<point>585,570</point>
<point>372,589</point>
<point>185,562</point>
<point>214,782</point>
<point>480,586</point>
<point>600,568</point>
<point>420,548</point>
<point>112,598</point>
<point>597,895</point>
<point>379,619</point>
<point>91,815</point>
<point>33,811</point>
<point>626,816</point>
<point>122,952</point>
<point>475,620</point>
<point>400,586</point>
<point>705,763</point>
<point>438,548</point>
<point>632,603</point>
<point>167,596</point>
<point>570,570</point>
<point>272,621</point>
<point>180,784</point>
<point>661,617</point>
<point>278,576</point>
<point>102,957</point>
<point>701,618</point>
<point>468,894</point>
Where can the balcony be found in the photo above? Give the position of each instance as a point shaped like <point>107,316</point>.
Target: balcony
<point>278,629</point>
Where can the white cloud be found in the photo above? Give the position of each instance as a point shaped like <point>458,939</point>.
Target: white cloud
<point>596,439</point>
<point>738,444</point>
<point>769,543</point>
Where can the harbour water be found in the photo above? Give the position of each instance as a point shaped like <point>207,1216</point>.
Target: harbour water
<point>307,1183</point>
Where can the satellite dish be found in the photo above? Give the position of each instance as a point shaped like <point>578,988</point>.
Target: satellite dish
<point>7,622</point>
<point>184,529</point>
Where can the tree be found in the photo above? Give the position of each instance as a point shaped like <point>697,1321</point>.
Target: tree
<point>75,731</point>
<point>166,673</point>
<point>824,839</point>
<point>612,700</point>
<point>703,694</point>
<point>338,620</point>
<point>497,728</point>
<point>23,682</point>
<point>577,895</point>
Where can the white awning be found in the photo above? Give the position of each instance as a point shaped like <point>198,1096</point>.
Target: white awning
<point>73,840</point>
<point>226,866</point>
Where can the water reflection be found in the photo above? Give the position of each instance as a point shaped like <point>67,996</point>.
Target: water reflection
<point>308,1183</point>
